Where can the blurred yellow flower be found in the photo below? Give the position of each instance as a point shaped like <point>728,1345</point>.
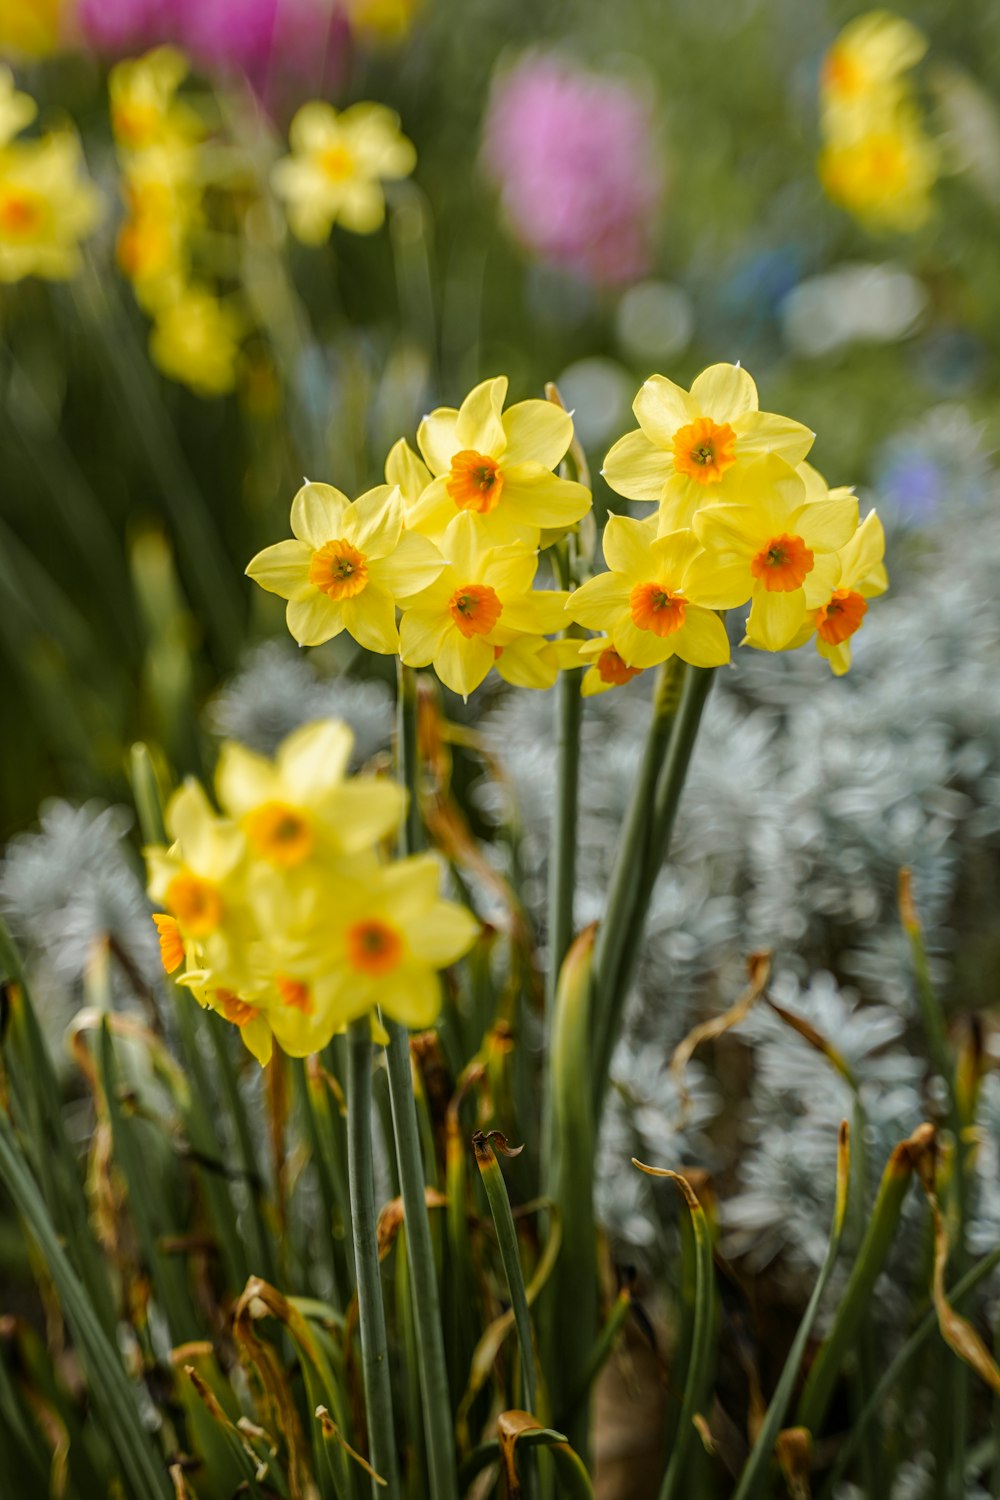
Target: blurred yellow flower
<point>302,807</point>
<point>47,206</point>
<point>497,465</point>
<point>863,68</point>
<point>883,175</point>
<point>16,110</point>
<point>145,111</point>
<point>196,340</point>
<point>468,617</point>
<point>349,564</point>
<point>691,446</point>
<point>655,601</point>
<point>776,547</point>
<point>338,163</point>
<point>840,616</point>
<point>30,28</point>
<point>383,20</point>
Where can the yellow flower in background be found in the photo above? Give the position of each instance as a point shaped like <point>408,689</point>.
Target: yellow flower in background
<point>497,465</point>
<point>840,616</point>
<point>30,28</point>
<point>196,341</point>
<point>883,175</point>
<point>163,207</point>
<point>302,807</point>
<point>655,602</point>
<point>382,20</point>
<point>605,668</point>
<point>777,547</point>
<point>691,446</point>
<point>16,110</point>
<point>48,205</point>
<point>338,163</point>
<point>480,604</point>
<point>348,565</point>
<point>863,69</point>
<point>387,938</point>
<point>145,111</point>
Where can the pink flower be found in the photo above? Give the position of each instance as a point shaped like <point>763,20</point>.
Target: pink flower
<point>288,49</point>
<point>574,155</point>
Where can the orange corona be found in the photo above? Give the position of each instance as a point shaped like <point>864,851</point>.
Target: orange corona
<point>655,607</point>
<point>339,570</point>
<point>171,942</point>
<point>475,609</point>
<point>279,833</point>
<point>704,450</point>
<point>840,617</point>
<point>612,670</point>
<point>373,947</point>
<point>195,903</point>
<point>783,564</point>
<point>475,482</point>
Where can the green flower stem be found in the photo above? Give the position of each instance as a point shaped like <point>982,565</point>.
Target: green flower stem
<point>410,1162</point>
<point>562,852</point>
<point>371,1312</point>
<point>865,1272</point>
<point>510,1255</point>
<point>680,697</point>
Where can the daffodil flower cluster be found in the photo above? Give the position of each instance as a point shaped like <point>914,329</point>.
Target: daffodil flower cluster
<point>338,163</point>
<point>439,565</point>
<point>48,205</point>
<point>196,335</point>
<point>278,912</point>
<point>877,160</point>
<point>452,542</point>
<point>740,518</point>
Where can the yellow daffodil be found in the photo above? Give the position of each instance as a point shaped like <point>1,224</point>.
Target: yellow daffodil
<point>338,163</point>
<point>861,72</point>
<point>883,174</point>
<point>47,206</point>
<point>498,465</point>
<point>778,548</point>
<point>163,208</point>
<point>303,807</point>
<point>533,661</point>
<point>348,565</point>
<point>481,603</point>
<point>145,110</point>
<point>381,20</point>
<point>30,28</point>
<point>605,668</point>
<point>389,935</point>
<point>839,617</point>
<point>16,110</point>
<point>658,598</point>
<point>196,341</point>
<point>691,446</point>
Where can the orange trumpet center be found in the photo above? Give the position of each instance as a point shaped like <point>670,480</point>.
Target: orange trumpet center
<point>20,214</point>
<point>339,570</point>
<point>656,608</point>
<point>475,482</point>
<point>783,564</point>
<point>279,833</point>
<point>840,617</point>
<point>294,994</point>
<point>195,903</point>
<point>475,609</point>
<point>171,942</point>
<point>611,669</point>
<point>234,1009</point>
<point>704,450</point>
<point>337,162</point>
<point>374,947</point>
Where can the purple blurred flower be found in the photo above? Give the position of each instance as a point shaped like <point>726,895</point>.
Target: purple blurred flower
<point>284,47</point>
<point>575,157</point>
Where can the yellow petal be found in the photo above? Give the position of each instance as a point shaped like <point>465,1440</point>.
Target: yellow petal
<point>414,565</point>
<point>463,664</point>
<point>863,554</point>
<point>256,1037</point>
<point>718,580</point>
<point>374,521</point>
<point>838,656</point>
<point>405,469</point>
<point>443,934</point>
<point>420,635</point>
<point>636,468</point>
<point>537,432</point>
<point>479,425</point>
<point>776,617</point>
<point>528,661</point>
<point>509,570</point>
<point>661,407</point>
<point>244,779</point>
<point>433,511</point>
<point>318,514</point>
<point>371,620</point>
<point>314,759</point>
<point>640,648</point>
<point>671,556</point>
<point>702,640</point>
<point>282,569</point>
<point>764,432</point>
<point>724,392</point>
<point>539,498</point>
<point>437,439</point>
<point>363,810</point>
<point>314,618</point>
<point>413,997</point>
<point>599,601</point>
<point>827,525</point>
<point>822,579</point>
<point>627,545</point>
